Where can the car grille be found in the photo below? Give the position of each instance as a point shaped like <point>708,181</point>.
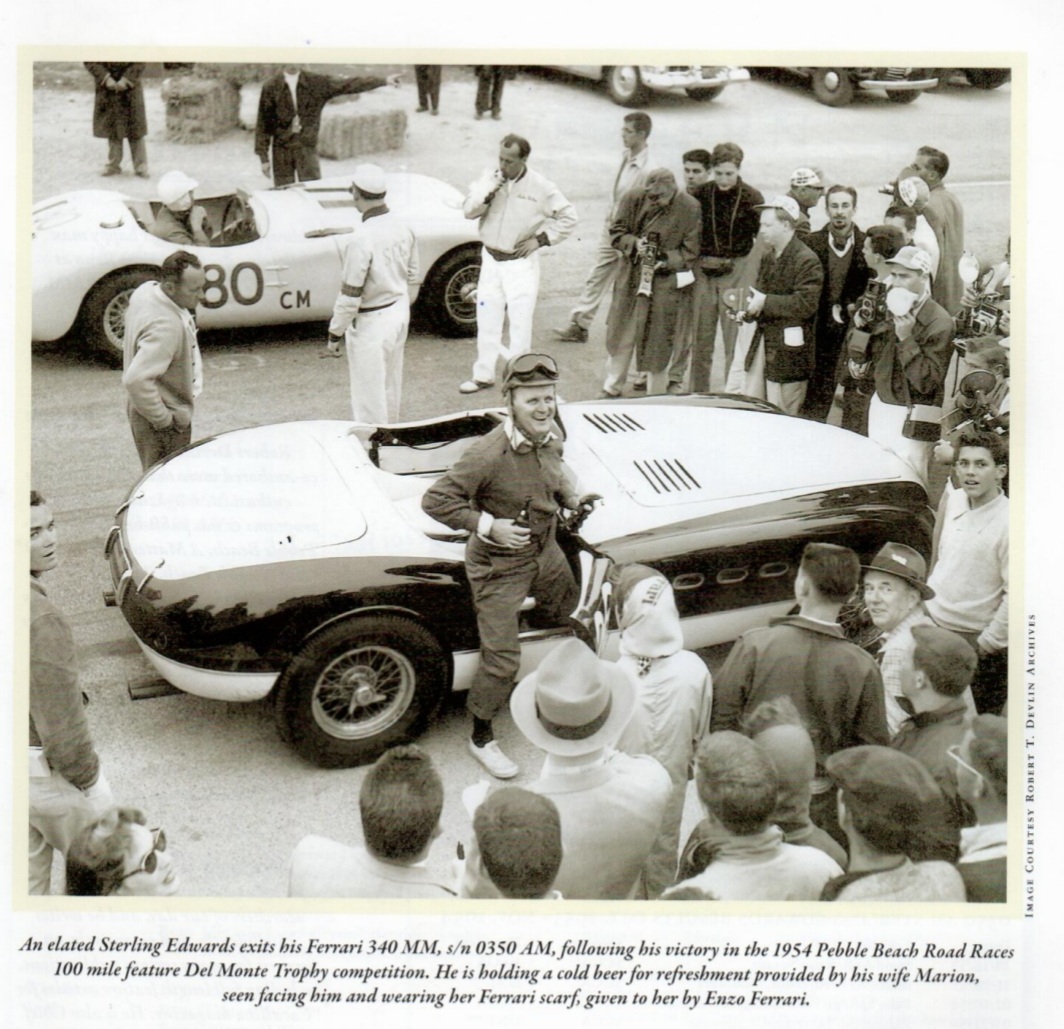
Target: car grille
<point>608,424</point>
<point>667,475</point>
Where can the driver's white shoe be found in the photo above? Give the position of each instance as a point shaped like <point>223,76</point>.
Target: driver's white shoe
<point>494,760</point>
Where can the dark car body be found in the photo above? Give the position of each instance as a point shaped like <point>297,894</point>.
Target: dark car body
<point>287,561</point>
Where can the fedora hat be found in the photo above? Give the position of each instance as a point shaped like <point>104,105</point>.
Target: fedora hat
<point>573,703</point>
<point>904,562</point>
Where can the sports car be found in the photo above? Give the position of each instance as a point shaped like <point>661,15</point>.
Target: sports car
<point>294,561</point>
<point>276,257</point>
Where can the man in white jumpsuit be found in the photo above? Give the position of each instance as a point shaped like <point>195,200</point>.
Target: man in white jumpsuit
<point>519,211</point>
<point>372,312</point>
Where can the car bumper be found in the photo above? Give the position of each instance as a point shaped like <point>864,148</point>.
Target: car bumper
<point>666,79</point>
<point>898,85</point>
<point>235,687</point>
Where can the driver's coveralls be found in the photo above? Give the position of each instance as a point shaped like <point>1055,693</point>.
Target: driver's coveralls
<point>493,479</point>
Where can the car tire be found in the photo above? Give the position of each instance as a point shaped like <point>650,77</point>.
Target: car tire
<point>103,313</point>
<point>902,96</point>
<point>625,85</point>
<point>448,297</point>
<point>988,78</point>
<point>833,87</point>
<point>359,687</point>
<point>704,92</point>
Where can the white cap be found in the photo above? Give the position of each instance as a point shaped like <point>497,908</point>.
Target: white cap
<point>370,179</point>
<point>782,203</point>
<point>914,259</point>
<point>174,185</point>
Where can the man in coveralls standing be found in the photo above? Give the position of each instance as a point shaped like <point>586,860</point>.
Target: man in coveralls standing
<point>515,470</point>
<point>373,308</point>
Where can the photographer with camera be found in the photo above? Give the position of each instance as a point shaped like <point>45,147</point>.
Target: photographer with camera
<point>647,293</point>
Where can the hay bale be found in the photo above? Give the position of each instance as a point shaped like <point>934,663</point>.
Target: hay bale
<point>351,130</point>
<point>199,110</point>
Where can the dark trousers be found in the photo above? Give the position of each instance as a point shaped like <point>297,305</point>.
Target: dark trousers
<point>138,151</point>
<point>293,161</point>
<point>500,581</point>
<point>489,91</point>
<point>155,444</point>
<point>829,342</point>
<point>990,684</point>
<point>428,85</point>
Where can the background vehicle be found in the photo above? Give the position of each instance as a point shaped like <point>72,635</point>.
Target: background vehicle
<point>836,87</point>
<point>309,573</point>
<point>631,85</point>
<point>277,257</point>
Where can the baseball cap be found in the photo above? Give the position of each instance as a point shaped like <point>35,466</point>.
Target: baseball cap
<point>781,203</point>
<point>806,177</point>
<point>913,258</point>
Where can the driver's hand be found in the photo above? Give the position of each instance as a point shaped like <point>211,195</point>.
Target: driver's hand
<point>506,534</point>
<point>588,501</point>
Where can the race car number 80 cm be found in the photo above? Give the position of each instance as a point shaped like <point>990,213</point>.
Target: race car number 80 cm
<point>216,282</point>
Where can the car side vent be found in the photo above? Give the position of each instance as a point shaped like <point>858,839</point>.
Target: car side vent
<point>667,476</point>
<point>611,423</point>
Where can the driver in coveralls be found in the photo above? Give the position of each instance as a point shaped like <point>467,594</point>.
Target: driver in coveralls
<point>517,467</point>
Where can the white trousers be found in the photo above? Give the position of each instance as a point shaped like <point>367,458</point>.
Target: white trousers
<point>885,423</point>
<point>375,362</point>
<point>505,289</point>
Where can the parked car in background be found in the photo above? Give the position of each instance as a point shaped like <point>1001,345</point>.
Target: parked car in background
<point>276,257</point>
<point>836,87</point>
<point>286,561</point>
<point>631,85</point>
<point>980,78</point>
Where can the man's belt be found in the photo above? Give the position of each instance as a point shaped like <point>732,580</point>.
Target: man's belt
<point>500,255</point>
<point>379,307</point>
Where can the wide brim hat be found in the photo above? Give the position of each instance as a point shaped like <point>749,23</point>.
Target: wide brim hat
<point>574,702</point>
<point>905,563</point>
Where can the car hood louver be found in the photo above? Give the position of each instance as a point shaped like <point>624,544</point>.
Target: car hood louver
<point>609,423</point>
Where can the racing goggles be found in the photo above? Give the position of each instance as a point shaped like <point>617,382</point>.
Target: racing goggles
<point>528,369</point>
<point>149,862</point>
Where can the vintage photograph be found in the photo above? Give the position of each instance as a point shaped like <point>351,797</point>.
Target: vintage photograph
<point>520,481</point>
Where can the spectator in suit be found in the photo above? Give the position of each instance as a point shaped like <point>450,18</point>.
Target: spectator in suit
<point>946,217</point>
<point>289,119</point>
<point>118,114</point>
<point>490,81</point>
<point>784,302</point>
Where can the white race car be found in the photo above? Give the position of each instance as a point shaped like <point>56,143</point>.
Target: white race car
<point>276,257</point>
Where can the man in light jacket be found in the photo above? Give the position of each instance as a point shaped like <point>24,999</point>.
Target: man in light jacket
<point>163,373</point>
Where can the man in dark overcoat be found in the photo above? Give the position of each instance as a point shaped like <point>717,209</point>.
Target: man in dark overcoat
<point>118,114</point>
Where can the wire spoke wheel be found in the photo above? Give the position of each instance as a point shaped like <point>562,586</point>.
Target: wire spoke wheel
<point>363,692</point>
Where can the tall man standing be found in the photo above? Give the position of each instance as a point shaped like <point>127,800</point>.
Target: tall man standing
<point>289,119</point>
<point>515,470</point>
<point>163,372</point>
<point>839,246</point>
<point>946,217</point>
<point>784,302</point>
<point>660,224</point>
<point>118,114</point>
<point>373,309</point>
<point>519,212</point>
<point>631,174</point>
<point>729,229</point>
<point>67,787</point>
<point>910,370</point>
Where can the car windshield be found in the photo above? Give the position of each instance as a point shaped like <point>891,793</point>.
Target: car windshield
<point>229,219</point>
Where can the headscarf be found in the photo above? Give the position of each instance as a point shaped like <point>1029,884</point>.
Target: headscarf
<point>650,622</point>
